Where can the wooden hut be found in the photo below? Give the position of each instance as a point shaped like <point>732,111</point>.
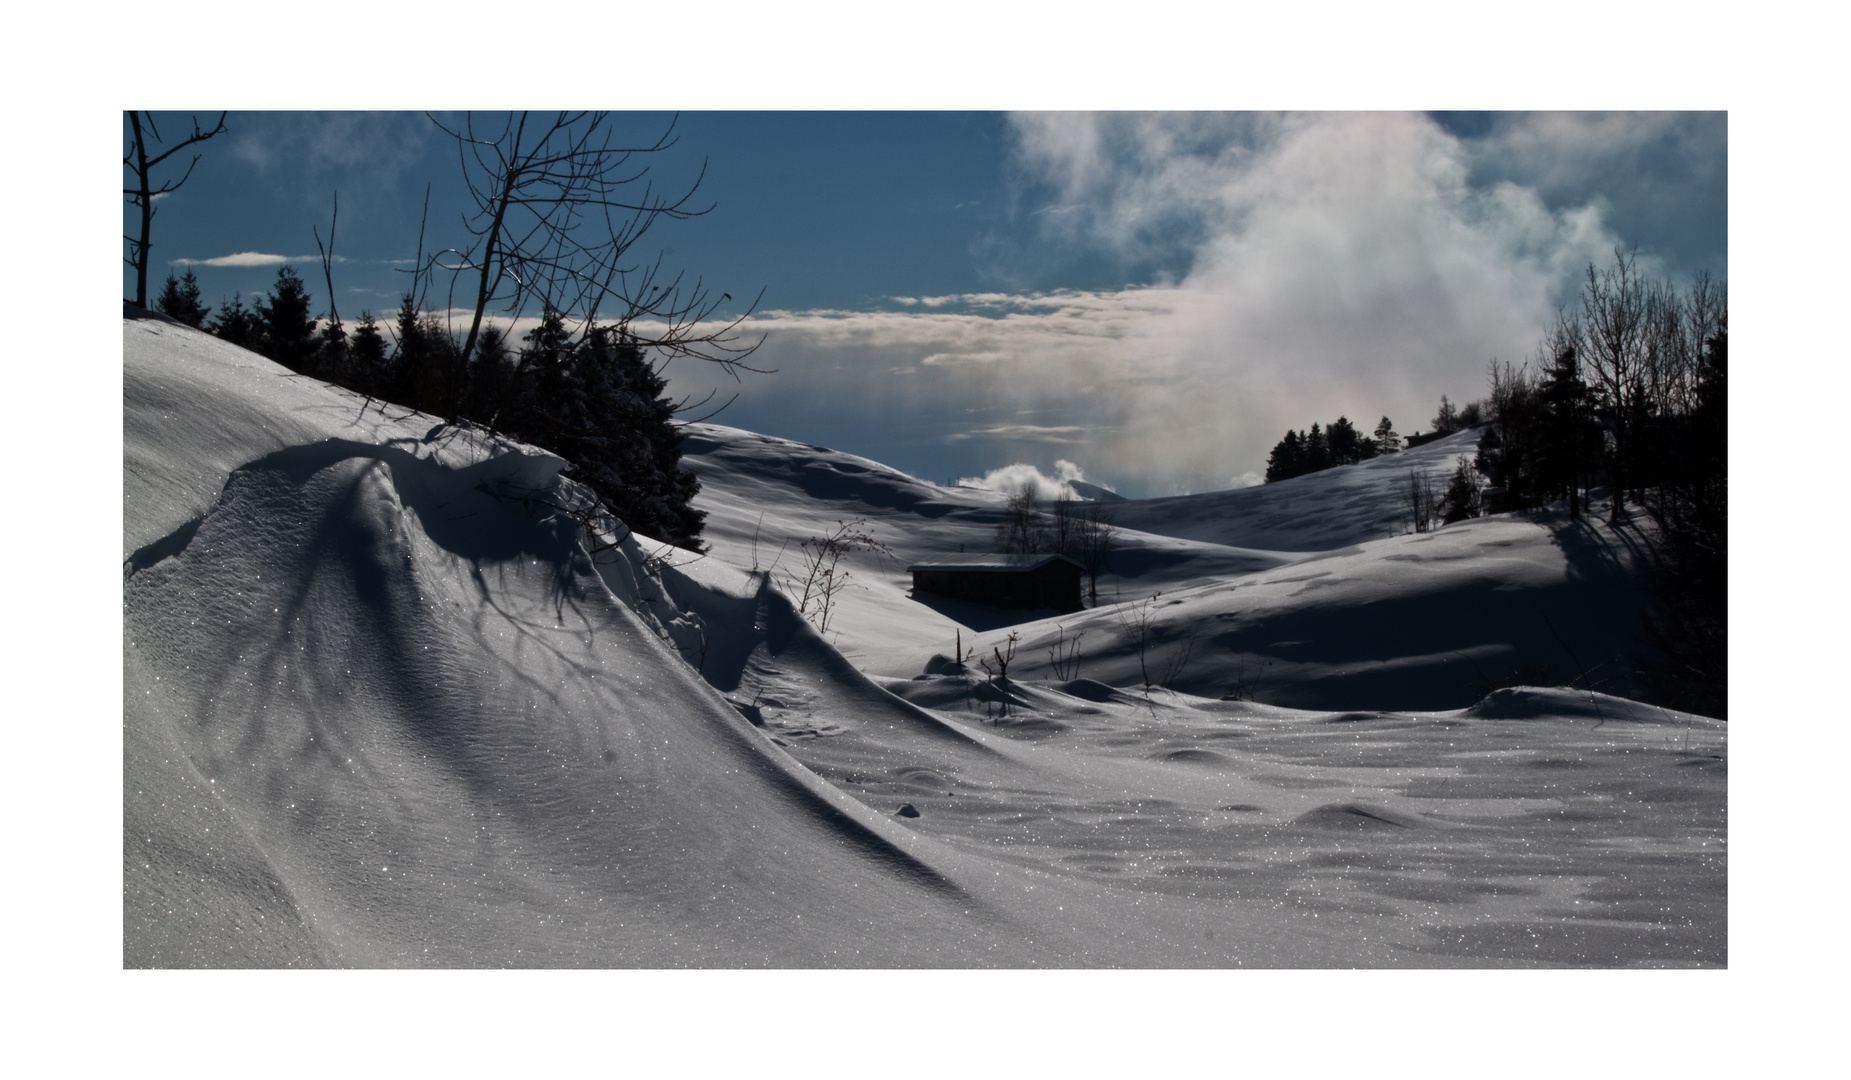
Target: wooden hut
<point>1005,581</point>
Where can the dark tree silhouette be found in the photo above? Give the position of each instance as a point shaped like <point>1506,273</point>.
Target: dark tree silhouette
<point>286,324</point>
<point>1446,421</point>
<point>236,323</point>
<point>1346,444</point>
<point>142,195</point>
<point>1461,499</point>
<point>366,352</point>
<point>1287,459</point>
<point>1613,344</point>
<point>179,300</point>
<point>597,403</point>
<point>1317,450</point>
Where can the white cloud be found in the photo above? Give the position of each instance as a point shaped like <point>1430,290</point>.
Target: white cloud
<point>1011,478</point>
<point>254,258</point>
<point>1064,433</point>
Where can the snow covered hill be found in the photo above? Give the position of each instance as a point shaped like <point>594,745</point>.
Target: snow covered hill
<point>384,707</point>
<point>1353,612</point>
<point>1320,511</point>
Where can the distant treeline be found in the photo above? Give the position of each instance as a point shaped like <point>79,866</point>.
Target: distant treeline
<point>1302,452</point>
<point>590,397</point>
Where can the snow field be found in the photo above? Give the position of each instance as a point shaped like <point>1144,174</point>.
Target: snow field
<point>383,709</point>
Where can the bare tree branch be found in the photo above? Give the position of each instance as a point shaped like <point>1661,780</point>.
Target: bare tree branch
<point>142,196</point>
<point>558,205</point>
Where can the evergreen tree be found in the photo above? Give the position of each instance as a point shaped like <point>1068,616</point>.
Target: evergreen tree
<point>1345,442</point>
<point>421,364</point>
<point>237,324</point>
<point>1570,443</point>
<point>491,375</point>
<point>1461,499</point>
<point>1287,460</point>
<point>179,300</point>
<point>1317,450</point>
<point>597,403</point>
<point>367,357</point>
<point>332,350</point>
<point>286,328</point>
<point>1386,440</point>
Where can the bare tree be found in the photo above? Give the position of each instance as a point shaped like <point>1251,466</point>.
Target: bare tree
<point>1138,622</point>
<point>1001,671</point>
<point>823,575</point>
<point>1424,500</point>
<point>1614,319</point>
<point>142,195</point>
<point>1097,534</point>
<point>1064,655</point>
<point>1024,529</point>
<point>1178,659</point>
<point>334,335</point>
<point>559,204</point>
<point>1066,526</point>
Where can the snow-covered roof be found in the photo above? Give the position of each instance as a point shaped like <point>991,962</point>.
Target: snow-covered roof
<point>990,562</point>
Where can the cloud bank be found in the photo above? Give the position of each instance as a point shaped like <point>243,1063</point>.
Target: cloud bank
<point>1353,264</point>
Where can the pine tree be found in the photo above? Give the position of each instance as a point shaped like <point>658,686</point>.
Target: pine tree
<point>179,300</point>
<point>236,323</point>
<point>633,424</point>
<point>332,350</point>
<point>420,366</point>
<point>1386,440</point>
<point>1287,460</point>
<point>1462,500</point>
<point>1570,443</point>
<point>367,357</point>
<point>286,327</point>
<point>1317,450</point>
<point>1345,442</point>
<point>600,405</point>
<point>491,376</point>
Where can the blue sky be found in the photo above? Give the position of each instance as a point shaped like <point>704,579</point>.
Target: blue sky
<point>1150,298</point>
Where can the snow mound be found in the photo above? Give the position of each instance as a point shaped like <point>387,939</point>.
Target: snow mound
<point>1532,702</point>
<point>1359,815</point>
<point>381,711</point>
